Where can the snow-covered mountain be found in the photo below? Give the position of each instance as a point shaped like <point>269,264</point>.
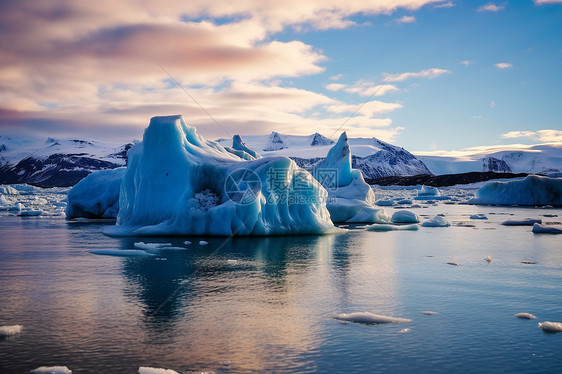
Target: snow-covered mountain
<point>540,159</point>
<point>56,162</point>
<point>373,157</point>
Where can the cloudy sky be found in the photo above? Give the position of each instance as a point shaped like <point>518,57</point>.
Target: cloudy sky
<point>428,75</point>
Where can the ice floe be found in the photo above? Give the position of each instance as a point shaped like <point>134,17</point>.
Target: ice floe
<point>545,229</point>
<point>525,316</point>
<point>404,216</point>
<point>521,222</point>
<point>478,216</point>
<point>51,370</point>
<point>533,190</point>
<point>6,331</point>
<point>120,252</point>
<point>436,221</point>
<point>148,246</point>
<point>384,227</point>
<point>151,370</point>
<point>548,326</point>
<point>369,318</point>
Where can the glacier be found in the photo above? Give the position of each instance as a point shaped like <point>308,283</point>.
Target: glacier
<point>533,190</point>
<point>178,183</point>
<point>350,198</point>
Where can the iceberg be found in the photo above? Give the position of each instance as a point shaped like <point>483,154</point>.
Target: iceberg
<point>151,370</point>
<point>6,331</point>
<point>369,318</point>
<point>383,228</point>
<point>533,190</point>
<point>405,216</point>
<point>548,326</point>
<point>241,150</point>
<point>178,183</point>
<point>96,196</point>
<point>51,370</point>
<point>428,191</point>
<point>544,229</point>
<point>436,221</point>
<point>350,198</point>
<point>521,222</point>
<point>525,316</point>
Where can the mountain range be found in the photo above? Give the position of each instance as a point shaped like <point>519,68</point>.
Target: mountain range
<point>64,162</point>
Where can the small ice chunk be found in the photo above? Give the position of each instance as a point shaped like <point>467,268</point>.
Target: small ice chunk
<point>381,227</point>
<point>489,259</point>
<point>6,331</point>
<point>437,221</point>
<point>405,331</point>
<point>120,252</point>
<point>369,318</point>
<point>543,229</point>
<point>146,246</point>
<point>51,370</point>
<point>150,370</point>
<point>30,212</point>
<point>521,222</point>
<point>429,191</point>
<point>453,263</point>
<point>478,216</point>
<point>202,242</point>
<point>385,203</point>
<point>429,313</point>
<point>187,242</point>
<point>548,326</point>
<point>404,216</point>
<point>525,316</point>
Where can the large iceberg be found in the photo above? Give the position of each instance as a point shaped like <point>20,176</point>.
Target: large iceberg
<point>178,183</point>
<point>533,190</point>
<point>96,196</point>
<point>350,199</point>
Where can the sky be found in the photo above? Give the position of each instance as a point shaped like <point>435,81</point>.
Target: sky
<point>432,76</point>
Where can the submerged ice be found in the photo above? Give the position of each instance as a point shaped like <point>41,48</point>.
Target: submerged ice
<point>533,190</point>
<point>178,183</point>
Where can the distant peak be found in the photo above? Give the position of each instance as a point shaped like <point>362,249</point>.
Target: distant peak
<point>319,140</point>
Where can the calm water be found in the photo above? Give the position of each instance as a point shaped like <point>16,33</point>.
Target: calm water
<point>266,304</point>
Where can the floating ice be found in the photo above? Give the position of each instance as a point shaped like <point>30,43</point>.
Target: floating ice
<point>533,190</point>
<point>548,326</point>
<point>436,221</point>
<point>382,227</point>
<point>8,190</point>
<point>150,370</point>
<point>147,246</point>
<point>187,242</point>
<point>404,202</point>
<point>478,216</point>
<point>30,212</point>
<point>428,191</point>
<point>202,242</point>
<point>369,318</point>
<point>96,196</point>
<point>120,252</point>
<point>51,370</point>
<point>404,216</point>
<point>350,198</point>
<point>525,316</point>
<point>489,259</point>
<point>521,222</point>
<point>429,313</point>
<point>6,331</point>
<point>178,183</point>
<point>385,202</point>
<point>544,229</point>
<point>453,263</point>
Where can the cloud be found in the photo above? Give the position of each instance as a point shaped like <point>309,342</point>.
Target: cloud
<point>428,73</point>
<point>405,19</point>
<point>466,62</point>
<point>503,65</point>
<point>368,109</point>
<point>363,88</point>
<point>448,4</point>
<point>541,2</point>
<point>491,7</point>
<point>548,136</point>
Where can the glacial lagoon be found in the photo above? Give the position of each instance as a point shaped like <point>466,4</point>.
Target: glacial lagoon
<point>268,304</point>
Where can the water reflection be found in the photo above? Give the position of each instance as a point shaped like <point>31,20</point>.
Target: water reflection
<point>243,301</point>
